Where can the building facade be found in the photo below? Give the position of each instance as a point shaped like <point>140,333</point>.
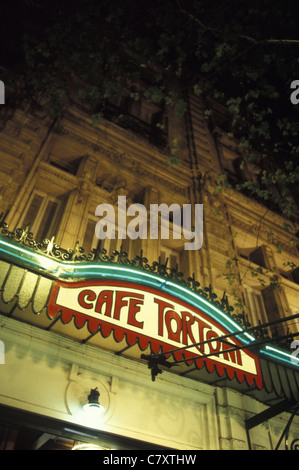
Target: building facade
<point>55,172</point>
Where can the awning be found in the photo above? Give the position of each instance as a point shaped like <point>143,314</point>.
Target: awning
<point>36,288</point>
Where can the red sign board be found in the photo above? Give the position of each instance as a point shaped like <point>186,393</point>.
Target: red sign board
<point>153,318</point>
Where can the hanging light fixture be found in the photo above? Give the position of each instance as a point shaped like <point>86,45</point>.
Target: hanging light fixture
<point>93,401</point>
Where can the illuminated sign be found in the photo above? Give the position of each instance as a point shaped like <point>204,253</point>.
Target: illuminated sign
<point>150,317</point>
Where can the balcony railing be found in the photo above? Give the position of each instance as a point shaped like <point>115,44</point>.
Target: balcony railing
<point>152,133</point>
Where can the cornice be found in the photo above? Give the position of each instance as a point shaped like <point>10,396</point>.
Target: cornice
<point>289,284</point>
<point>263,234</point>
<point>159,173</point>
<point>58,174</point>
<point>251,214</point>
<point>110,133</point>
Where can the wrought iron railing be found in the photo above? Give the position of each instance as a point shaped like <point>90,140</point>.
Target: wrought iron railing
<point>152,133</point>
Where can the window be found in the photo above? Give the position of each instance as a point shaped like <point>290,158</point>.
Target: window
<point>257,256</point>
<point>42,215</point>
<point>263,306</point>
<point>145,117</point>
<point>69,165</point>
<point>90,241</point>
<point>178,259</point>
<point>255,305</point>
<point>170,256</point>
<point>292,275</point>
<point>234,168</point>
<point>272,311</point>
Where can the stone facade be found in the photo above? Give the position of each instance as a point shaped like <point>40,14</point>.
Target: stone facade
<point>54,173</point>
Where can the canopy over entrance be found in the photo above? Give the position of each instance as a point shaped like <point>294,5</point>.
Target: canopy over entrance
<point>146,317</point>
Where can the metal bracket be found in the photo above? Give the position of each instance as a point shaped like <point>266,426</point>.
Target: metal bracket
<point>154,362</point>
<point>284,405</point>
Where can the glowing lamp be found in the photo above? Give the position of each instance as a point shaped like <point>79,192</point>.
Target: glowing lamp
<point>93,402</point>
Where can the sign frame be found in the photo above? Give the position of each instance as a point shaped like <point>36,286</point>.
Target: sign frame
<point>79,301</point>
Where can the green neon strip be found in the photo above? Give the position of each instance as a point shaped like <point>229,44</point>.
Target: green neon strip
<point>83,271</point>
<point>281,355</point>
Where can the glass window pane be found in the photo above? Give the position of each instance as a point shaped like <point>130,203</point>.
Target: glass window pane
<point>48,223</point>
<point>89,235</point>
<point>32,211</point>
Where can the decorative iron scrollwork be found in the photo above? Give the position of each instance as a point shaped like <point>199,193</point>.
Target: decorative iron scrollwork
<point>294,444</point>
<point>50,248</point>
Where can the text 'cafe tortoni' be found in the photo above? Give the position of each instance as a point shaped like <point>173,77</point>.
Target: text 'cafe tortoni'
<point>111,320</point>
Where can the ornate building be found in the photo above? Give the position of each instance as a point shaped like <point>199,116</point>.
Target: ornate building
<point>54,173</point>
